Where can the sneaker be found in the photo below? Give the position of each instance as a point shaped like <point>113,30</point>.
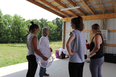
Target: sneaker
<point>46,74</point>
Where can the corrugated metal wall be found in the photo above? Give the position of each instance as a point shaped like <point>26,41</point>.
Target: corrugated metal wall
<point>110,25</point>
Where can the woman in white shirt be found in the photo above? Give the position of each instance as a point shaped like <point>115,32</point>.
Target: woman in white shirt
<point>44,42</point>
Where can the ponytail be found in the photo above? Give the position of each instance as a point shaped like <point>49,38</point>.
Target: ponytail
<point>78,21</point>
<point>32,27</point>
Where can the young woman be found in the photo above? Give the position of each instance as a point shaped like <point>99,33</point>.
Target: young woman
<point>76,48</point>
<point>96,49</point>
<point>44,41</point>
<point>32,42</point>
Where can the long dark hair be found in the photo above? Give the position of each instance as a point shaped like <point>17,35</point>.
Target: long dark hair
<point>78,21</point>
<point>32,27</point>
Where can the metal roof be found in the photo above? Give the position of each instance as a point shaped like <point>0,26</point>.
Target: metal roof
<point>87,7</point>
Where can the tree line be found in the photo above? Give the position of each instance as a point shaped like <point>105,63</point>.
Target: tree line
<point>14,29</point>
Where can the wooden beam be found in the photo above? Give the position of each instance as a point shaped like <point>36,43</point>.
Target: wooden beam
<point>90,0</point>
<point>101,6</point>
<point>88,7</point>
<point>104,27</point>
<point>46,8</point>
<point>78,2</point>
<point>52,2</point>
<point>62,0</point>
<point>112,45</point>
<point>83,31</point>
<point>63,37</point>
<point>76,5</point>
<point>59,6</point>
<point>105,8</point>
<point>54,7</point>
<point>97,4</point>
<point>111,30</point>
<point>60,3</point>
<point>94,17</point>
<point>68,4</point>
<point>67,31</point>
<point>115,6</point>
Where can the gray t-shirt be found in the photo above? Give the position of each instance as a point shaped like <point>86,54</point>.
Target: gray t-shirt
<point>78,45</point>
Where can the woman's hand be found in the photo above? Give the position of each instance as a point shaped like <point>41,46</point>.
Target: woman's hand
<point>72,53</point>
<point>91,54</point>
<point>44,58</point>
<point>51,49</point>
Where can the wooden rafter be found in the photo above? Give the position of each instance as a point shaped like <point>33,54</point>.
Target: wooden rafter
<point>115,6</point>
<point>90,0</point>
<point>62,0</point>
<point>54,7</point>
<point>97,4</point>
<point>98,9</point>
<point>78,2</point>
<point>59,6</point>
<point>101,7</point>
<point>94,17</point>
<point>88,7</point>
<point>60,3</point>
<point>52,2</point>
<point>105,8</point>
<point>76,5</point>
<point>40,5</point>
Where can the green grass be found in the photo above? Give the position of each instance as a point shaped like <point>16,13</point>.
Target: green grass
<point>16,53</point>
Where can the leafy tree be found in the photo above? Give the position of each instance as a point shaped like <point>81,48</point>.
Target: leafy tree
<point>1,28</point>
<point>7,19</point>
<point>14,29</point>
<point>18,29</point>
<point>58,31</point>
<point>52,31</point>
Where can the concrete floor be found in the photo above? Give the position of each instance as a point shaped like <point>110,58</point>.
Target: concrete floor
<point>59,68</point>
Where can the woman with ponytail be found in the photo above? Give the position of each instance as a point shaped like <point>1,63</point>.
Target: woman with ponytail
<point>32,42</point>
<point>76,45</point>
<point>96,52</point>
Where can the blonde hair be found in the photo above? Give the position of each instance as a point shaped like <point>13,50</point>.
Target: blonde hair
<point>96,27</point>
<point>44,33</point>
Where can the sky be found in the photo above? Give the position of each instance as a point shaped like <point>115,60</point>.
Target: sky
<point>25,9</point>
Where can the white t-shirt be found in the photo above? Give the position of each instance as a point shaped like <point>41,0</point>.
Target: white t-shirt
<point>44,48</point>
<point>44,41</point>
<point>78,45</point>
<point>29,44</point>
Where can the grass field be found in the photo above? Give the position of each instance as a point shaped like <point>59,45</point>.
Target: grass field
<point>16,53</point>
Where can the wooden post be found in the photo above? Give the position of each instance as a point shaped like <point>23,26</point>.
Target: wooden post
<point>104,28</point>
<point>63,36</point>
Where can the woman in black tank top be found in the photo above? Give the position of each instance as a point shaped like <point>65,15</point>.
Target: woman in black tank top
<point>96,52</point>
<point>99,53</point>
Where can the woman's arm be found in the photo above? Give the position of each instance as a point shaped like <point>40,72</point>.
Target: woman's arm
<point>34,44</point>
<point>97,43</point>
<point>68,45</point>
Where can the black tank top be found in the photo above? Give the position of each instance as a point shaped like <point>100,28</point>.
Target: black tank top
<point>99,53</point>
